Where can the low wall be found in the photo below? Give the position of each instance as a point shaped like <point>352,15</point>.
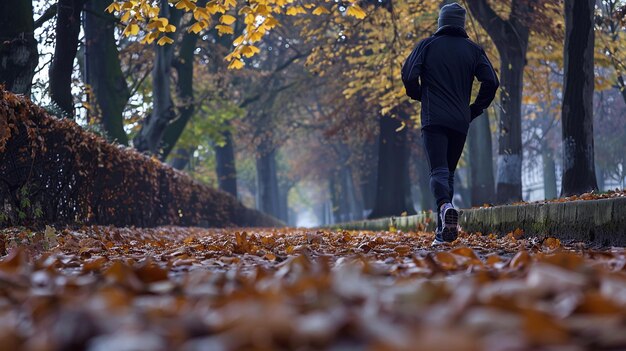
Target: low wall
<point>602,222</point>
<point>54,172</point>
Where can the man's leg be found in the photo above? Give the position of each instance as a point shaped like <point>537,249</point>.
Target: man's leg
<point>436,145</point>
<point>456,142</point>
<point>449,215</point>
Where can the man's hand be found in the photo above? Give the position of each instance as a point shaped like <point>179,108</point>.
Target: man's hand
<point>414,92</point>
<point>475,111</point>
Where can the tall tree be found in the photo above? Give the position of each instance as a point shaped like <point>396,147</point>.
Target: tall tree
<point>346,205</point>
<point>393,186</point>
<point>109,91</point>
<point>183,63</point>
<point>18,47</point>
<point>150,136</point>
<point>66,46</point>
<point>549,172</point>
<point>511,39</point>
<point>267,179</point>
<point>225,165</point>
<point>481,162</point>
<point>577,116</point>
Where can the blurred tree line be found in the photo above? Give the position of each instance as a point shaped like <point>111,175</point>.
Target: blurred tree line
<point>298,108</point>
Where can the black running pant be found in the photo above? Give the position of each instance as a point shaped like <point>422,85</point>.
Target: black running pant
<point>444,147</point>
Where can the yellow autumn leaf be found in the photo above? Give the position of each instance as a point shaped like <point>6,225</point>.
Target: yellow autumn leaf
<point>213,7</point>
<point>239,40</point>
<point>223,29</point>
<point>245,10</point>
<point>355,11</point>
<point>165,40</point>
<point>201,13</point>
<point>320,10</point>
<point>125,17</point>
<point>227,19</point>
<point>262,10</point>
<point>113,7</point>
<point>153,12</point>
<point>159,22</point>
<point>295,10</point>
<point>235,64</point>
<point>186,5</point>
<point>271,22</point>
<point>249,50</point>
<point>196,27</point>
<point>170,28</point>
<point>150,38</point>
<point>131,29</point>
<point>256,36</point>
<point>233,55</point>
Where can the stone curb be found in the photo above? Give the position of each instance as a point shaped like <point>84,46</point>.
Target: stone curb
<point>601,222</point>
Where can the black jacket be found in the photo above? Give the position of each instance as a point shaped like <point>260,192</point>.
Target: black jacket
<point>445,65</point>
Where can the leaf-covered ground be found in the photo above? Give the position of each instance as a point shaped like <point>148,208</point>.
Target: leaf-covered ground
<point>102,288</point>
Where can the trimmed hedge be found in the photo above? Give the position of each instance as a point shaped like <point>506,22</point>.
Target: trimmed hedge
<point>52,171</point>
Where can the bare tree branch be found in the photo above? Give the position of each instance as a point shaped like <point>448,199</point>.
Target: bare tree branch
<point>47,15</point>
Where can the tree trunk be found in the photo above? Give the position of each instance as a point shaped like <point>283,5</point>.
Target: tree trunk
<point>600,178</point>
<point>339,200</point>
<point>509,161</point>
<point>368,179</point>
<point>225,166</point>
<point>368,189</point>
<point>577,113</point>
<point>549,173</point>
<point>481,162</point>
<point>393,188</point>
<point>335,206</point>
<point>153,128</point>
<point>184,89</point>
<point>283,203</point>
<point>511,38</point>
<point>327,213</point>
<point>66,46</point>
<point>18,47</point>
<point>267,181</point>
<point>109,92</point>
<point>355,208</point>
<point>346,206</point>
<point>184,65</point>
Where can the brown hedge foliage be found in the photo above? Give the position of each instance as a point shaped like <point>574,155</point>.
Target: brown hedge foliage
<point>52,171</point>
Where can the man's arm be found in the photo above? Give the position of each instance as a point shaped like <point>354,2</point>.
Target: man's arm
<point>411,72</point>
<point>489,83</point>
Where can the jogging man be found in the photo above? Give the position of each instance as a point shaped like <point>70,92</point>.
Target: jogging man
<point>439,73</point>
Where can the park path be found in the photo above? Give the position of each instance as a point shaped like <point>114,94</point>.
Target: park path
<point>173,288</point>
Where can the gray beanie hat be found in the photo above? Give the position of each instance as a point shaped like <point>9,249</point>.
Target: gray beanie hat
<point>452,15</point>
